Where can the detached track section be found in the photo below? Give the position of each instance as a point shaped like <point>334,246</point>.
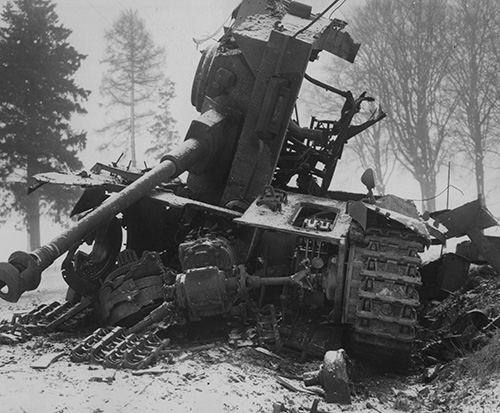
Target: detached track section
<point>383,296</point>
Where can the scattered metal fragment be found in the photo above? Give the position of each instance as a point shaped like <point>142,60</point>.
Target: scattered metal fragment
<point>267,353</point>
<point>46,360</point>
<point>11,361</point>
<point>333,377</point>
<point>108,379</point>
<point>290,385</point>
<point>280,408</point>
<point>192,349</point>
<point>13,333</point>
<point>116,349</point>
<point>152,370</point>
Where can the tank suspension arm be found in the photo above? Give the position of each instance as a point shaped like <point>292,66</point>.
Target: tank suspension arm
<point>23,270</point>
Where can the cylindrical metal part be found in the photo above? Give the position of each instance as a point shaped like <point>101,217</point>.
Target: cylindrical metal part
<point>174,163</point>
<point>22,273</point>
<point>202,292</point>
<point>255,282</point>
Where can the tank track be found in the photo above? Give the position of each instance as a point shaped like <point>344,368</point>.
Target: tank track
<point>383,296</point>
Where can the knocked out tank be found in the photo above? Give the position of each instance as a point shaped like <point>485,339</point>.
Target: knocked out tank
<point>255,230</point>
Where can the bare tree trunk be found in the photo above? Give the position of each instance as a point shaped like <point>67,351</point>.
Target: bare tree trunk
<point>475,130</point>
<point>132,97</point>
<point>479,169</point>
<point>378,158</point>
<point>32,213</point>
<point>428,192</point>
<point>475,124</point>
<point>475,81</point>
<point>132,126</point>
<point>33,220</point>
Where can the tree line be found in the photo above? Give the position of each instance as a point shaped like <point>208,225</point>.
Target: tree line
<point>434,65</point>
<point>39,96</point>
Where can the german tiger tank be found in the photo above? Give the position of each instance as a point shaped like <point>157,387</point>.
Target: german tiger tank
<point>254,231</point>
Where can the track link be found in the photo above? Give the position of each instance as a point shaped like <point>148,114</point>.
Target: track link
<point>383,296</point>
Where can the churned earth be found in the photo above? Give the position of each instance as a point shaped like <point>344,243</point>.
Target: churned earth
<point>223,378</point>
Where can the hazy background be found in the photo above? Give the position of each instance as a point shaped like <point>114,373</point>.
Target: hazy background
<point>173,25</point>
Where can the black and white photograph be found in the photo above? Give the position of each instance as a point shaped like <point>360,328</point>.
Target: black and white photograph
<point>255,206</point>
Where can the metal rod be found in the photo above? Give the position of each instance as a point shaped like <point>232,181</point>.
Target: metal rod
<point>447,200</point>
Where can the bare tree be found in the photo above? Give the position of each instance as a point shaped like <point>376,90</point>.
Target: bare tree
<point>476,81</point>
<point>374,150</point>
<point>406,47</point>
<point>133,75</point>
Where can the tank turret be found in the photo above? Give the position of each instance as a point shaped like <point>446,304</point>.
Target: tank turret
<point>245,89</point>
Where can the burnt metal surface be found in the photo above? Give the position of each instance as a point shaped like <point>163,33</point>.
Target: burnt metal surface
<point>461,220</point>
<point>133,290</point>
<point>443,276</point>
<point>262,217</point>
<point>471,219</point>
<point>412,223</point>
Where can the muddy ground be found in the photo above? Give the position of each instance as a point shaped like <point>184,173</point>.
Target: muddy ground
<point>224,379</point>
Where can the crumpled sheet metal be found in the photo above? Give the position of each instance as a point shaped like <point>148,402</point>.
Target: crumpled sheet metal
<point>83,179</point>
<point>111,177</point>
<point>414,224</point>
<point>461,220</point>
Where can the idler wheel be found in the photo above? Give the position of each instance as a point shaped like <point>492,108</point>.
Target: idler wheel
<point>18,275</point>
<point>10,283</point>
<point>83,272</point>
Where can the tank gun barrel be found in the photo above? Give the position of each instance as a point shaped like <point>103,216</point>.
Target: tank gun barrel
<point>23,270</point>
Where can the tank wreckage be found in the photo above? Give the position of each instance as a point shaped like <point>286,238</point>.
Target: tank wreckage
<point>254,232</point>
